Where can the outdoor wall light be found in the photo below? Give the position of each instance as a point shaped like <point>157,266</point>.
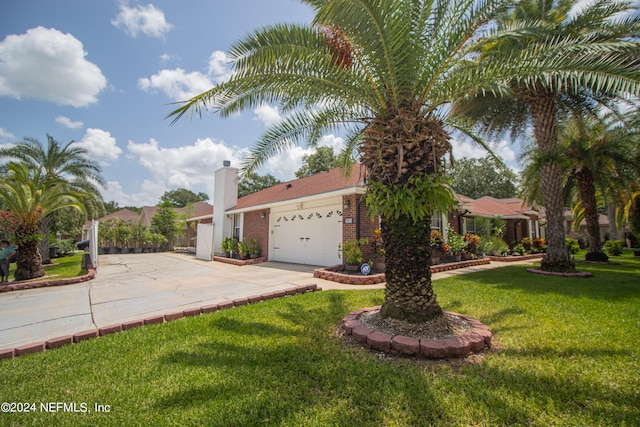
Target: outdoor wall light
<point>347,204</point>
<point>263,215</point>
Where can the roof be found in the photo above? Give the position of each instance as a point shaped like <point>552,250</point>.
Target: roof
<point>506,208</point>
<point>320,183</point>
<point>196,210</point>
<point>123,215</point>
<point>603,220</point>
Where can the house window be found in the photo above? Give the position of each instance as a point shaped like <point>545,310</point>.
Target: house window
<point>436,221</point>
<point>237,226</point>
<point>469,224</point>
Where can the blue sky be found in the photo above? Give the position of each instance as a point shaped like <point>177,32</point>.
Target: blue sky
<point>103,72</point>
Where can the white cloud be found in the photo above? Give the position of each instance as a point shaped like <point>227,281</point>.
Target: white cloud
<point>68,123</point>
<point>180,85</point>
<point>142,19</point>
<point>190,166</point>
<point>267,114</point>
<point>6,135</point>
<point>503,149</point>
<point>100,145</point>
<point>115,192</point>
<point>48,64</point>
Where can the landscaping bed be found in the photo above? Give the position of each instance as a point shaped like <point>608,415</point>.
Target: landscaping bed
<point>239,262</point>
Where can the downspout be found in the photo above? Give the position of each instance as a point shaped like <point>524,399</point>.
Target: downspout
<point>358,217</point>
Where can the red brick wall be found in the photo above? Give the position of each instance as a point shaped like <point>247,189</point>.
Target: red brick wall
<point>256,227</point>
<point>367,226</point>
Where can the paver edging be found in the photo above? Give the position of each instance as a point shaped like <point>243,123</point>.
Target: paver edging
<point>239,262</point>
<point>512,258</point>
<point>473,341</point>
<point>61,341</point>
<point>91,274</point>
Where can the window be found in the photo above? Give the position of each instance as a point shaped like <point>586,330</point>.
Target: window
<point>469,224</point>
<point>436,221</point>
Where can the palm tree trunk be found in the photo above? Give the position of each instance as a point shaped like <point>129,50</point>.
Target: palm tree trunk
<point>408,293</point>
<point>29,262</point>
<point>613,227</point>
<point>43,246</point>
<point>543,113</point>
<point>587,189</point>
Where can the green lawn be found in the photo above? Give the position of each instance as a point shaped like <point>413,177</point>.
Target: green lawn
<point>62,268</point>
<point>568,355</point>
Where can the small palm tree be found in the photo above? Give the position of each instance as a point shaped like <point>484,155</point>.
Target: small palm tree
<point>60,163</point>
<point>385,71</point>
<point>568,60</point>
<point>30,199</point>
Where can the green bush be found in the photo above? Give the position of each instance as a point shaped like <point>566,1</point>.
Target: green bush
<point>65,247</point>
<point>518,249</point>
<point>613,247</point>
<point>573,246</point>
<point>494,246</point>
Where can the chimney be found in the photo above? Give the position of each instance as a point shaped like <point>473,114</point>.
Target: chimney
<point>225,196</point>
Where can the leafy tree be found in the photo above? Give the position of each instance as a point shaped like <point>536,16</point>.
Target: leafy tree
<point>165,222</point>
<point>57,165</point>
<point>482,177</point>
<point>31,196</point>
<point>566,62</point>
<point>386,71</point>
<point>251,182</point>
<point>182,197</point>
<point>322,160</point>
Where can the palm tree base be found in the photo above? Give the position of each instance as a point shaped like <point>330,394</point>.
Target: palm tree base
<point>557,265</point>
<point>596,257</point>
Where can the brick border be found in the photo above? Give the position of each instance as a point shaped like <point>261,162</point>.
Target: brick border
<point>577,274</point>
<point>512,258</point>
<point>472,342</point>
<point>334,273</point>
<point>239,262</point>
<point>57,342</point>
<point>91,274</point>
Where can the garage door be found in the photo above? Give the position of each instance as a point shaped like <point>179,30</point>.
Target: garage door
<point>307,236</point>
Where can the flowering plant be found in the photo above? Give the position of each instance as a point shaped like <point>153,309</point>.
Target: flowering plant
<point>473,243</point>
<point>455,241</point>
<point>377,243</point>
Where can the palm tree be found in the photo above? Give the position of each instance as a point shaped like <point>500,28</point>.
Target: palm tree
<point>57,162</point>
<point>30,199</point>
<point>385,72</point>
<point>569,61</point>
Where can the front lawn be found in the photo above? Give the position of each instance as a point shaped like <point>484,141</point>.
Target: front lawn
<point>567,355</point>
<point>61,268</point>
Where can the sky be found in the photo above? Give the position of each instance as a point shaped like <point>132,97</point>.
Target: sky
<point>104,73</point>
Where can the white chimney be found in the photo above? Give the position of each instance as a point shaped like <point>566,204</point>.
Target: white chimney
<point>225,196</point>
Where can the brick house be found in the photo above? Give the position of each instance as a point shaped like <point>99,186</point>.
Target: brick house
<point>303,221</point>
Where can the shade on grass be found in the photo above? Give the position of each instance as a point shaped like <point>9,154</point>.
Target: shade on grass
<point>569,356</point>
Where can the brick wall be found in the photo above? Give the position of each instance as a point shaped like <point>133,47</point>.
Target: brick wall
<point>256,227</point>
<point>349,232</point>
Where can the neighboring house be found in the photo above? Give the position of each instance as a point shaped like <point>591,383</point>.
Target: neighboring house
<point>305,220</point>
<point>198,213</point>
<point>521,220</point>
<point>569,226</point>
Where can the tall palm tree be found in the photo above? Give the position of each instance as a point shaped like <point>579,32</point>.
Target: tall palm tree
<point>570,60</point>
<point>68,163</point>
<point>30,199</point>
<point>385,71</point>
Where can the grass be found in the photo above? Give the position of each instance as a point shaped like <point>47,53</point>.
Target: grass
<point>62,268</point>
<point>568,355</point>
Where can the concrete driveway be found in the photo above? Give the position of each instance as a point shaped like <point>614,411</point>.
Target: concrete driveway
<point>136,286</point>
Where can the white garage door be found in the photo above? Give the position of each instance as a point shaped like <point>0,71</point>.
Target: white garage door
<point>307,236</point>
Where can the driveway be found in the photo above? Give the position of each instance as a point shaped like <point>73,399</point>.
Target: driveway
<point>132,287</point>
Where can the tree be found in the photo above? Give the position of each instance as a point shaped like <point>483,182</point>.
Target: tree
<point>60,165</point>
<point>165,222</point>
<point>567,62</point>
<point>31,197</point>
<point>182,197</point>
<point>482,177</point>
<point>322,160</point>
<point>251,182</point>
<point>385,71</point>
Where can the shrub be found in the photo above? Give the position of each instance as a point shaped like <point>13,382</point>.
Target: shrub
<point>65,247</point>
<point>538,245</point>
<point>494,246</point>
<point>518,249</point>
<point>573,246</point>
<point>613,247</point>
<point>526,243</point>
<point>351,251</point>
<point>455,241</point>
<point>583,239</point>
<point>473,243</point>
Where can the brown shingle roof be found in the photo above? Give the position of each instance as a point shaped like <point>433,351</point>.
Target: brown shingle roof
<point>122,214</point>
<point>490,206</point>
<point>323,182</point>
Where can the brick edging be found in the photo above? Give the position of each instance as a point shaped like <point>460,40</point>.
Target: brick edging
<point>239,262</point>
<point>334,273</point>
<point>577,274</point>
<point>472,342</point>
<point>52,343</point>
<point>91,274</point>
<point>514,258</point>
